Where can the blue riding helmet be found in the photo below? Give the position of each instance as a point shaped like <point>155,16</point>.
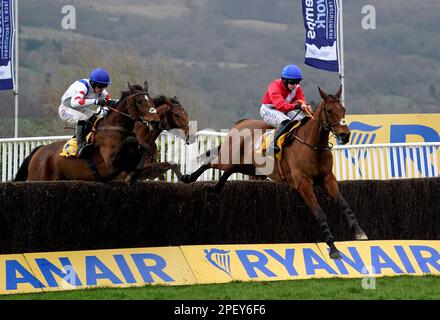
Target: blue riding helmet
<point>291,71</point>
<point>101,76</point>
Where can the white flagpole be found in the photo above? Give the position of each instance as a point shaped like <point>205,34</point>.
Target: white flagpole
<point>341,50</point>
<point>16,66</point>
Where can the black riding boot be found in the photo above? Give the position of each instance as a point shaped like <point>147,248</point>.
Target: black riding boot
<point>83,148</point>
<point>282,128</point>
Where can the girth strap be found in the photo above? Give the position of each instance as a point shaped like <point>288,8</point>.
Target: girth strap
<point>95,172</point>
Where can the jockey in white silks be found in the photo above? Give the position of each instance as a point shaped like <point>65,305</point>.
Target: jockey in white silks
<point>80,101</point>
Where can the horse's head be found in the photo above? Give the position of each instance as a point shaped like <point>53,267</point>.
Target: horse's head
<point>141,107</point>
<point>332,115</point>
<point>174,118</point>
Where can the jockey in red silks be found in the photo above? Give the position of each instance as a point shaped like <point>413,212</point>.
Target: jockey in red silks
<point>79,101</point>
<point>284,99</point>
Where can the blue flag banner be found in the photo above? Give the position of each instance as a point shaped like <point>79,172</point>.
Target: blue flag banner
<point>321,24</point>
<point>6,43</point>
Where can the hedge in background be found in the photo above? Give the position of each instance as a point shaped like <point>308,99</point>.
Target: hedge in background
<point>82,216</point>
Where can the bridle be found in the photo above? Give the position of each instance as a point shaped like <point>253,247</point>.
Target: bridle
<point>169,109</point>
<point>326,125</point>
<point>329,127</point>
<point>141,117</point>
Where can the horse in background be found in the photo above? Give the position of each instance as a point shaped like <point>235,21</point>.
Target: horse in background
<point>174,119</point>
<point>115,147</point>
<point>306,161</point>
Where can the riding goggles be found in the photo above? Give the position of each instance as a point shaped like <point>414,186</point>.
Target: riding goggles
<point>293,81</point>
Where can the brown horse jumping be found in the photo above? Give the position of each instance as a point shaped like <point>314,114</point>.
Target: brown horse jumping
<point>307,160</point>
<point>174,119</point>
<point>115,147</point>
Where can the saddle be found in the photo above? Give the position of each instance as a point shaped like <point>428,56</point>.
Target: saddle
<point>70,148</point>
<point>267,138</point>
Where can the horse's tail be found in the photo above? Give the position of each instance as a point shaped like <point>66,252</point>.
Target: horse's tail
<point>209,155</point>
<point>22,173</point>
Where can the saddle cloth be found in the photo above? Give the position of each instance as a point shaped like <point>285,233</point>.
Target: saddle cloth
<point>70,149</point>
<point>267,138</point>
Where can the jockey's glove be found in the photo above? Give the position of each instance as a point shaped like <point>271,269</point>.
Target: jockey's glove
<point>101,102</point>
<point>112,103</point>
<point>305,107</point>
<point>103,111</point>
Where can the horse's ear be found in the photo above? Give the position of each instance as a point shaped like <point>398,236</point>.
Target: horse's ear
<point>175,98</point>
<point>146,86</point>
<point>338,94</point>
<point>322,93</point>
<point>130,87</point>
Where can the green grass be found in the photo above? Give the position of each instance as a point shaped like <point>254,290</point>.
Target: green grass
<point>405,287</point>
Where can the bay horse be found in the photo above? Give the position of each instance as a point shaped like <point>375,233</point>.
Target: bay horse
<point>115,147</point>
<point>174,119</point>
<point>306,161</point>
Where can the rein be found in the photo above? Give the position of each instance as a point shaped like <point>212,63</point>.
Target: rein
<point>316,148</point>
<point>140,119</point>
<point>328,127</point>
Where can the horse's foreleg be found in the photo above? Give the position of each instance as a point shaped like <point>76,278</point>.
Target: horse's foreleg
<point>305,188</point>
<point>188,178</point>
<point>134,175</point>
<point>224,177</point>
<point>330,186</point>
<point>155,170</point>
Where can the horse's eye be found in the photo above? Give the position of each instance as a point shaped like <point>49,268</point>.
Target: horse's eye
<point>152,110</point>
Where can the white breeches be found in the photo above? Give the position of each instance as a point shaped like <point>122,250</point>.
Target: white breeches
<point>274,117</point>
<point>71,115</point>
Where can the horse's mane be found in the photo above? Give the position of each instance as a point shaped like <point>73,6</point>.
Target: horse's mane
<point>239,121</point>
<point>125,94</point>
<point>175,100</point>
<point>160,100</point>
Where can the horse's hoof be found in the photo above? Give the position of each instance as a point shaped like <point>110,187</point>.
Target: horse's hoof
<point>186,178</point>
<point>335,255</point>
<point>360,236</point>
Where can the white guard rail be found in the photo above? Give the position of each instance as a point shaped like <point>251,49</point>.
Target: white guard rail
<point>351,162</point>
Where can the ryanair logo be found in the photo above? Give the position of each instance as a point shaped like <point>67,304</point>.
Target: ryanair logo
<point>220,259</point>
<point>361,133</point>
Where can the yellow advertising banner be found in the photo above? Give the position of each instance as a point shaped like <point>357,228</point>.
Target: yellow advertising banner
<point>386,162</point>
<point>225,263</point>
<point>16,276</point>
<point>386,258</point>
<point>40,272</point>
<point>37,272</point>
<point>222,263</point>
<point>394,128</point>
